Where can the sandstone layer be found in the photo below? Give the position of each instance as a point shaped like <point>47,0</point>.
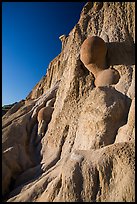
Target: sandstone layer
<point>87,152</point>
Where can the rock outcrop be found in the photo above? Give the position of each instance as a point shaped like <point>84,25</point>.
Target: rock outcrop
<point>6,108</point>
<point>107,77</point>
<point>44,117</point>
<point>93,54</point>
<point>87,151</point>
<point>63,39</point>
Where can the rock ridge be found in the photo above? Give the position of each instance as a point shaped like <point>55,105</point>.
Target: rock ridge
<point>84,150</point>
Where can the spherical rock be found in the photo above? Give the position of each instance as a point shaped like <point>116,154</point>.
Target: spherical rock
<point>93,53</point>
<point>107,77</point>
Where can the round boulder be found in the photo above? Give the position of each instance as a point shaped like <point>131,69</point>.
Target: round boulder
<point>93,54</point>
<point>107,77</point>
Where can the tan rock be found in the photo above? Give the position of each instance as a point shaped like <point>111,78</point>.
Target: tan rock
<point>44,117</point>
<point>126,133</point>
<point>63,40</point>
<point>42,100</point>
<point>18,154</point>
<point>107,77</point>
<point>84,154</point>
<point>131,90</point>
<point>103,175</point>
<point>50,103</point>
<point>93,54</point>
<point>125,80</point>
<point>98,122</point>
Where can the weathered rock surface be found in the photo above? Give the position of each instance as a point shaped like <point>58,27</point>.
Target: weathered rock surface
<point>6,108</point>
<point>93,54</point>
<point>127,132</point>
<point>107,77</point>
<point>44,117</point>
<point>87,151</point>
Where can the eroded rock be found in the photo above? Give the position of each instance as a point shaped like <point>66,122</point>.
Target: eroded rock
<point>44,117</point>
<point>63,39</point>
<point>107,77</point>
<point>126,133</point>
<point>87,151</point>
<point>86,176</point>
<point>95,132</point>
<point>93,54</point>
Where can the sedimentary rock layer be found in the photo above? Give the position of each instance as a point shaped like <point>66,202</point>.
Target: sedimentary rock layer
<point>87,151</point>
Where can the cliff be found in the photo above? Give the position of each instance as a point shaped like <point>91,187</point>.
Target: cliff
<point>84,149</point>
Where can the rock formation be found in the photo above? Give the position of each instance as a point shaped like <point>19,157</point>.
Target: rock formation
<point>63,39</point>
<point>107,77</point>
<point>6,108</point>
<point>93,54</point>
<point>87,151</point>
<point>44,117</point>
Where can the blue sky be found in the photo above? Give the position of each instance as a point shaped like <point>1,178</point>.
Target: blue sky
<point>30,40</point>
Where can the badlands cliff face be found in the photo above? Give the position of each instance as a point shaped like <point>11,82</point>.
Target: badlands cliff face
<point>85,149</point>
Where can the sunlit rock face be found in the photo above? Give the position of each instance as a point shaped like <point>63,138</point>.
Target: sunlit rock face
<point>86,152</point>
<point>93,54</point>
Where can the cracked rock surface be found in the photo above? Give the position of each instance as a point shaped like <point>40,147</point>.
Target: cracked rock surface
<point>87,152</point>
